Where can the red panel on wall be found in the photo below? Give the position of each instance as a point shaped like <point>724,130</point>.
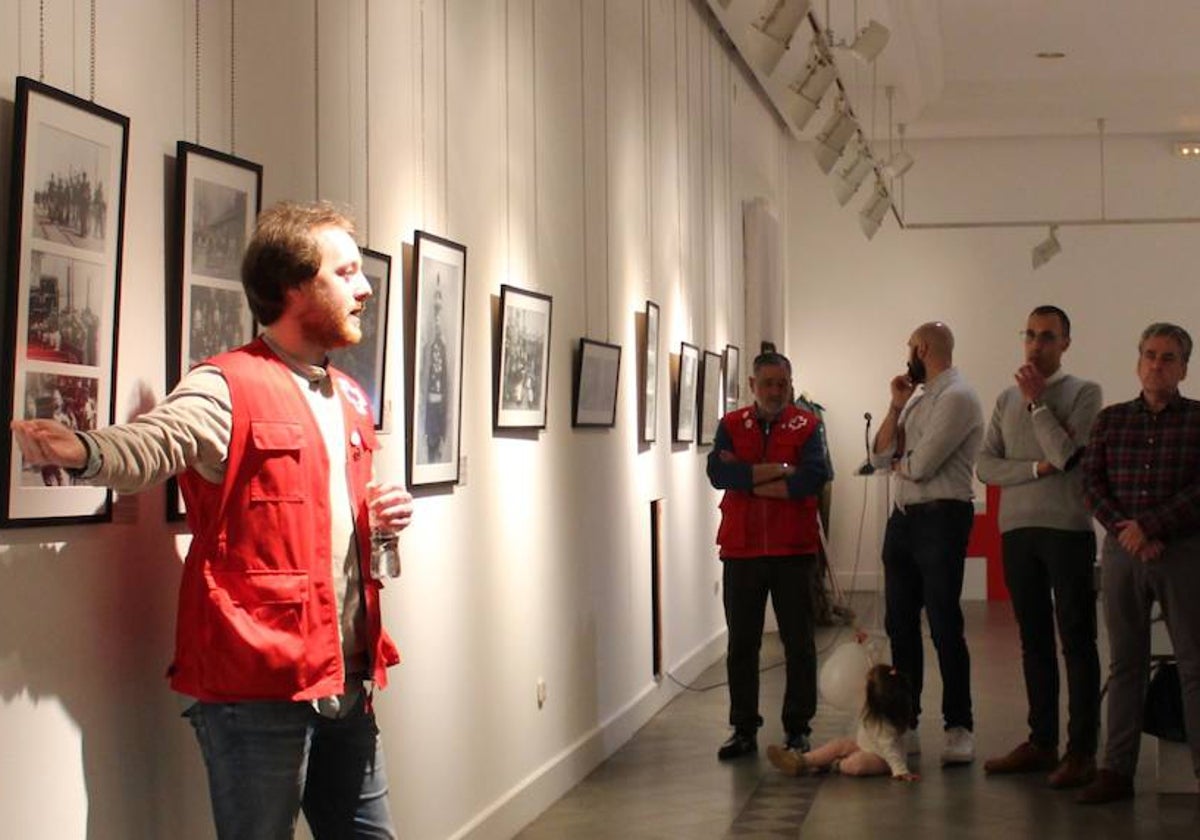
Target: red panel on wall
<point>985,542</point>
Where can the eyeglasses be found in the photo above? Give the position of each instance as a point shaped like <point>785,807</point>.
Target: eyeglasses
<point>1045,337</point>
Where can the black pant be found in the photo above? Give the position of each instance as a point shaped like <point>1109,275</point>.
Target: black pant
<point>1049,575</point>
<point>924,553</point>
<point>789,580</point>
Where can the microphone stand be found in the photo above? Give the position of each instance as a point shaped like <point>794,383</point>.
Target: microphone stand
<point>867,468</point>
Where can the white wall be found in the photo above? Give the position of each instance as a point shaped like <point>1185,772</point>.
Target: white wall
<point>595,151</point>
<point>854,303</point>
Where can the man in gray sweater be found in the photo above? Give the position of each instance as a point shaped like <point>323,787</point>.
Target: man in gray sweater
<point>1035,439</point>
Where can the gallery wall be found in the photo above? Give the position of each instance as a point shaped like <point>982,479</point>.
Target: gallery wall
<point>597,152</point>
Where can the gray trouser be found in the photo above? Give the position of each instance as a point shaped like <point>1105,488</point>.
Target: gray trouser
<point>1130,589</point>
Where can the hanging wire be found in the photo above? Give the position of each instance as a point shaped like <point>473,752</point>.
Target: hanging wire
<point>583,169</point>
<point>196,73</point>
<point>317,97</point>
<point>367,119</point>
<point>233,77</point>
<point>92,53</point>
<point>1103,208</point>
<point>42,40</point>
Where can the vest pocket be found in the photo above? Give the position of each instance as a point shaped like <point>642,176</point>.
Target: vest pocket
<point>255,630</point>
<point>278,447</point>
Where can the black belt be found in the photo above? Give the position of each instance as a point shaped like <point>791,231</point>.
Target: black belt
<point>935,505</point>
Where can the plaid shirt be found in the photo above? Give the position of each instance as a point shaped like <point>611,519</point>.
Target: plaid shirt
<point>1146,466</point>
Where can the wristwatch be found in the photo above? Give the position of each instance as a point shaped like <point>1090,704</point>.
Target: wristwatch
<point>1033,406</point>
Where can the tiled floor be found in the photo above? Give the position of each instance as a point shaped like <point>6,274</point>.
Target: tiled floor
<point>667,783</point>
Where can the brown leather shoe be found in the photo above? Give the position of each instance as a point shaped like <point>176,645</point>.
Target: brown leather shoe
<point>1074,771</point>
<point>1108,787</point>
<point>1026,758</point>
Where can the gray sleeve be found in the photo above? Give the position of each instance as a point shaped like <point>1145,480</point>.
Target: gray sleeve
<point>190,428</point>
<point>1061,441</point>
<point>993,466</point>
<point>955,415</point>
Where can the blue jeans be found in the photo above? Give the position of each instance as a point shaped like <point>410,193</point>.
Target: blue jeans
<point>924,554</point>
<point>267,760</point>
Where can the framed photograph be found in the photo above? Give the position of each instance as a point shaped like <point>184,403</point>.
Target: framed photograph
<point>218,197</point>
<point>598,367</point>
<point>523,375</point>
<point>711,403</point>
<point>60,318</point>
<point>366,362</point>
<point>685,393</point>
<point>436,350</point>
<point>649,416</point>
<point>733,377</point>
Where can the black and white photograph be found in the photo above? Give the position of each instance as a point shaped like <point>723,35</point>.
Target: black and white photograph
<point>63,297</point>
<point>685,394</point>
<point>217,199</point>
<point>597,372</point>
<point>71,400</point>
<point>365,361</point>
<point>733,377</point>
<point>523,377</point>
<point>436,393</point>
<point>711,403</point>
<point>649,416</point>
<point>72,187</point>
<point>219,228</point>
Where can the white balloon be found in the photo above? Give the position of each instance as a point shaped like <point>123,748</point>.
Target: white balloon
<point>843,677</point>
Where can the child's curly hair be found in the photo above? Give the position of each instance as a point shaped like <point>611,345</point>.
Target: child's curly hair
<point>889,697</point>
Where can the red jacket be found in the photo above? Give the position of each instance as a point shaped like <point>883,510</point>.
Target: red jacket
<point>257,610</point>
<point>753,526</point>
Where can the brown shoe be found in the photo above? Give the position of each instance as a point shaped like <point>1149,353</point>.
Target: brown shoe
<point>1074,771</point>
<point>788,762</point>
<point>1108,787</point>
<point>1027,758</point>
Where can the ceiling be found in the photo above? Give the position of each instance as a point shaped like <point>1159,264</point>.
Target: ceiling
<point>969,68</point>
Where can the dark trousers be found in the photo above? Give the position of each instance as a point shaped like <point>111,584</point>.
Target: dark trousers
<point>1049,576</point>
<point>924,553</point>
<point>789,581</point>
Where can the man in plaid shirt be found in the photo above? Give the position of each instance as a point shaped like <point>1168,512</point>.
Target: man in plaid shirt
<point>1142,483</point>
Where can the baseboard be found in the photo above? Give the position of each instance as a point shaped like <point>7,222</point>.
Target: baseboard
<point>525,800</point>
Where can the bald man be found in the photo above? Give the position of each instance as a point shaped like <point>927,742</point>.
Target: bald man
<point>929,440</point>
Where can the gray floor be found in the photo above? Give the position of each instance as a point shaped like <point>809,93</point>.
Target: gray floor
<point>667,783</point>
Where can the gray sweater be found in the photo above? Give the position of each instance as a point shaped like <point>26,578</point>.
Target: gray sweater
<point>1017,439</point>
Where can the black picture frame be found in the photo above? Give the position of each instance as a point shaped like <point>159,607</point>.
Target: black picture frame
<point>733,377</point>
<point>217,200</point>
<point>523,368</point>
<point>366,361</point>
<point>437,328</point>
<point>597,373</point>
<point>709,408</point>
<point>61,311</point>
<point>648,418</point>
<point>685,393</point>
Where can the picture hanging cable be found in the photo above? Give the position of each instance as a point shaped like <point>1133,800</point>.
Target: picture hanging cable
<point>233,77</point>
<point>317,97</point>
<point>583,169</point>
<point>42,40</point>
<point>196,69</point>
<point>367,119</point>
<point>92,53</point>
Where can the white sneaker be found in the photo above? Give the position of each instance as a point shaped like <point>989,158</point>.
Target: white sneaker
<point>911,741</point>
<point>960,746</point>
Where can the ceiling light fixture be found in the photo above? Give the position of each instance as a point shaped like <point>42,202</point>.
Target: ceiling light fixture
<point>781,21</point>
<point>871,216</point>
<point>819,73</point>
<point>849,178</point>
<point>1047,249</point>
<point>1189,149</point>
<point>870,41</point>
<point>832,139</point>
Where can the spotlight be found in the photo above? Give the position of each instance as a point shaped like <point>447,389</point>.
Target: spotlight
<point>870,41</point>
<point>833,138</point>
<point>1047,249</point>
<point>898,164</point>
<point>781,21</point>
<point>848,179</point>
<point>811,85</point>
<point>874,210</point>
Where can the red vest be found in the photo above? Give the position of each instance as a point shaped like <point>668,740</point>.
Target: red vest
<point>752,526</point>
<point>257,610</point>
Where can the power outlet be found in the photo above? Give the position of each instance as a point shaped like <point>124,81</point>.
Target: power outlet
<point>541,692</point>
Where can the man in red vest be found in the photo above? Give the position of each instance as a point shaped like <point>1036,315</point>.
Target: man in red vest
<point>279,639</point>
<point>770,461</point>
